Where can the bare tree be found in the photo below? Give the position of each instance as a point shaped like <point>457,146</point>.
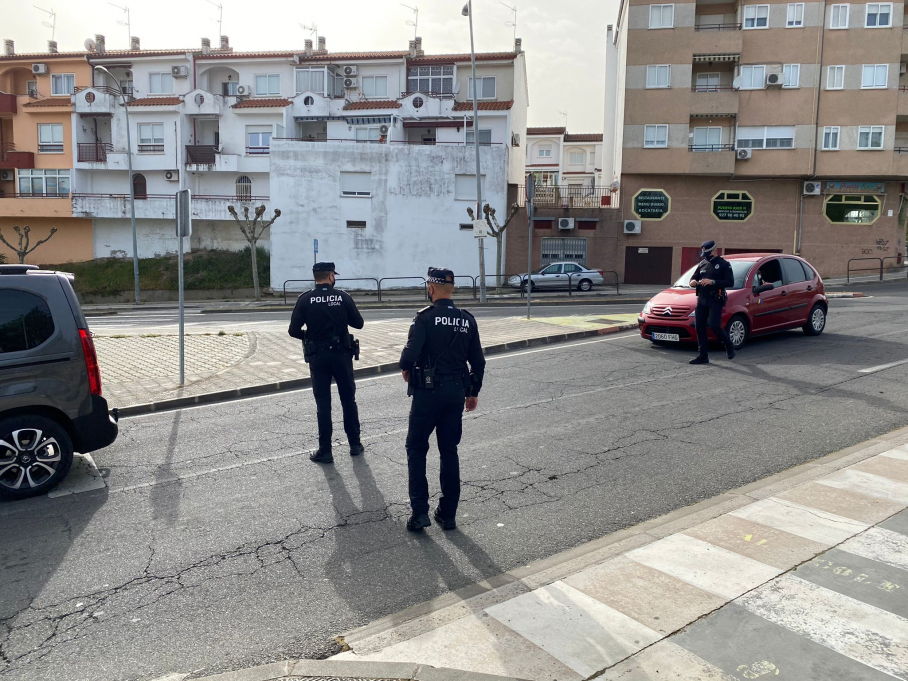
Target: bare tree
<point>23,249</point>
<point>496,230</point>
<point>253,231</point>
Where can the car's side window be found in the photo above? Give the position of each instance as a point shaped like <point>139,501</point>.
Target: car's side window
<point>572,268</point>
<point>808,271</point>
<point>552,269</point>
<point>769,273</point>
<point>794,273</point>
<point>25,321</point>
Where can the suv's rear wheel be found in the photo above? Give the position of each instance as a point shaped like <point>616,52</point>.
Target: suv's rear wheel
<point>35,455</point>
<point>816,321</point>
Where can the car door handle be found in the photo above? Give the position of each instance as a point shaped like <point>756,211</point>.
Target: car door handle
<point>784,293</point>
<point>810,288</point>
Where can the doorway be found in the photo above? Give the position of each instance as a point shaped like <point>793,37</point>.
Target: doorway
<point>648,265</point>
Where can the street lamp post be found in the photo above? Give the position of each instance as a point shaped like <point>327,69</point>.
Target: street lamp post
<point>468,12</point>
<point>132,194</point>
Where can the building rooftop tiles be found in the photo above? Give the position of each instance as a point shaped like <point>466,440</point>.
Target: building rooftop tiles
<point>371,105</point>
<point>261,103</point>
<point>584,137</point>
<point>448,58</point>
<point>546,131</point>
<point>50,101</point>
<point>484,106</point>
<point>156,101</point>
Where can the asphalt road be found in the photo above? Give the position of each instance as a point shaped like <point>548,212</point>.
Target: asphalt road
<point>219,545</point>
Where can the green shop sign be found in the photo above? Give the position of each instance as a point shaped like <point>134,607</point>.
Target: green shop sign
<point>732,206</point>
<point>651,204</point>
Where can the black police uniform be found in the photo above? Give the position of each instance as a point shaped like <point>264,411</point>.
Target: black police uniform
<point>329,349</point>
<point>442,340</point>
<point>711,301</point>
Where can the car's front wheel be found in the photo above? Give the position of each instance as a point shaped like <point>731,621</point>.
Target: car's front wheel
<point>35,455</point>
<point>738,331</point>
<point>816,321</point>
<point>585,285</point>
<point>523,286</point>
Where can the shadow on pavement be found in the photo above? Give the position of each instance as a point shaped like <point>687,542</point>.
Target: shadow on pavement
<point>165,498</point>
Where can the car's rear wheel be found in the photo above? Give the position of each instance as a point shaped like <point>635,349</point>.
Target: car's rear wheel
<point>584,285</point>
<point>738,330</point>
<point>35,455</point>
<point>816,321</point>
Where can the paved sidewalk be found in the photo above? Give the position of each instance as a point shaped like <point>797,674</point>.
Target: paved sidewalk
<point>803,576</point>
<point>140,370</point>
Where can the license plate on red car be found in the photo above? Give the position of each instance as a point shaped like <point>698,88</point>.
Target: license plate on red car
<point>666,337</point>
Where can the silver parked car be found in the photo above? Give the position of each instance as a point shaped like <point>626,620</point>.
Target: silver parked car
<point>560,275</point>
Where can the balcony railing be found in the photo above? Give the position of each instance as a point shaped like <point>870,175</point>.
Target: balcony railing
<point>258,151</point>
<point>712,88</point>
<point>151,148</point>
<point>35,195</point>
<point>569,196</point>
<point>717,27</point>
<point>93,152</point>
<point>245,198</point>
<point>710,147</point>
<point>413,142</point>
<point>50,148</point>
<point>201,154</point>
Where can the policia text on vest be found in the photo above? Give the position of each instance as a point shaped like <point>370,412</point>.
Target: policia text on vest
<point>329,349</point>
<point>442,341</point>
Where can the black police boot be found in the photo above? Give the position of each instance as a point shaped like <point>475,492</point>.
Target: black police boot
<point>322,456</point>
<point>730,351</point>
<point>357,450</point>
<point>444,523</point>
<point>699,359</point>
<point>418,522</point>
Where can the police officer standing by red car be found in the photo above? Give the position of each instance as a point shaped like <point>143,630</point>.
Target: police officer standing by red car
<point>442,340</point>
<point>711,279</point>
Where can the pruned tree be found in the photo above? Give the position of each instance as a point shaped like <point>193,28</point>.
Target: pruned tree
<point>253,231</point>
<point>497,230</point>
<point>23,250</point>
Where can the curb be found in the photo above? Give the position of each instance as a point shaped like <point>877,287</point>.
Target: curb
<point>339,670</point>
<point>390,367</point>
<point>846,295</point>
<point>279,307</point>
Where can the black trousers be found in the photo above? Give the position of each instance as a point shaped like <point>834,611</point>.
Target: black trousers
<point>439,409</point>
<point>337,365</point>
<point>709,314</point>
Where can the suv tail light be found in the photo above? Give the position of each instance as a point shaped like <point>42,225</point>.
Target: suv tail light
<point>91,361</point>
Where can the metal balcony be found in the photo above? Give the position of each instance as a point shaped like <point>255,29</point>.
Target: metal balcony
<point>93,152</point>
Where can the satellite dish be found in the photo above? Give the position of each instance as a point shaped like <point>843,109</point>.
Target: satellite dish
<point>736,83</point>
<point>90,44</point>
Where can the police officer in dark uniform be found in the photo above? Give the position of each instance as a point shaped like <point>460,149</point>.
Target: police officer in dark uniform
<point>711,279</point>
<point>442,340</point>
<point>329,350</point>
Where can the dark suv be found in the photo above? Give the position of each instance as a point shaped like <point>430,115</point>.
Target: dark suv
<point>50,383</point>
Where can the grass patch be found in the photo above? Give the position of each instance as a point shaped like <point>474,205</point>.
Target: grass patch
<point>202,270</point>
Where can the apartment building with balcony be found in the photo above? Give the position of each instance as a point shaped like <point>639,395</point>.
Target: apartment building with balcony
<point>770,126</point>
<point>37,152</point>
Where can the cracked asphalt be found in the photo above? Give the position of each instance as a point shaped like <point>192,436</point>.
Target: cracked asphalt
<point>218,545</point>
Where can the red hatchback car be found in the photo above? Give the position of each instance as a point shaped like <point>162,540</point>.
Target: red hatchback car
<point>772,292</point>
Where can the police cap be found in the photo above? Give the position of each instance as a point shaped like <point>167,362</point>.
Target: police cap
<point>324,267</point>
<point>707,246</point>
<point>439,275</point>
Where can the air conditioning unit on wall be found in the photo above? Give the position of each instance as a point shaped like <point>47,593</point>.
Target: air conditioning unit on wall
<point>744,154</point>
<point>39,69</point>
<point>350,83</point>
<point>774,80</point>
<point>566,223</point>
<point>632,227</point>
<point>172,175</point>
<point>6,174</point>
<point>350,71</point>
<point>243,90</point>
<point>812,188</point>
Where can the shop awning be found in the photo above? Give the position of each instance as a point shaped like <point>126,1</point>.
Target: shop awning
<point>700,58</point>
<point>437,124</point>
<point>369,120</point>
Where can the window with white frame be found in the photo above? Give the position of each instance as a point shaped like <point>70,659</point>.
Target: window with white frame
<point>795,15</point>
<point>661,16</point>
<point>151,138</point>
<point>160,83</point>
<point>311,80</point>
<point>707,82</point>
<point>838,16</point>
<point>49,182</point>
<point>375,86</point>
<point>486,88</point>
<point>31,88</point>
<point>835,78</point>
<point>229,88</point>
<point>126,86</point>
<point>545,151</point>
<point>655,136</point>
<point>485,137</point>
<point>831,138</point>
<point>577,158</point>
<point>50,138</point>
<point>355,184</point>
<point>870,136</point>
<point>875,76</point>
<point>879,15</point>
<point>62,83</point>
<point>753,77</point>
<point>658,75</point>
<point>370,133</point>
<point>431,79</point>
<point>707,139</point>
<point>756,16</point>
<point>243,186</point>
<point>791,75</point>
<point>268,84</point>
<point>765,137</point>
<point>258,140</point>
<point>465,187</point>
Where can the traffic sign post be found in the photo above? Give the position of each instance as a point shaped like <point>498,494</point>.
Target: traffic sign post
<point>183,212</point>
<point>531,208</point>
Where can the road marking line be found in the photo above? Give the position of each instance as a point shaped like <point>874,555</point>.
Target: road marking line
<point>802,521</point>
<point>867,483</point>
<point>84,476</point>
<point>881,367</point>
<point>881,545</point>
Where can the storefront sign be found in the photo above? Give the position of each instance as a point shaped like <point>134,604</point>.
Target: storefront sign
<point>732,206</point>
<point>651,204</point>
<point>642,250</point>
<point>876,187</point>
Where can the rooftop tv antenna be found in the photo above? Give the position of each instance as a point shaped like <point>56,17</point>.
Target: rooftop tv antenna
<point>52,24</point>
<point>564,113</point>
<point>126,23</point>
<point>514,22</point>
<point>414,22</point>
<point>313,29</point>
<point>220,16</point>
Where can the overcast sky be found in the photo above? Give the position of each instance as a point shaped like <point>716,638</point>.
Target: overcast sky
<point>563,39</point>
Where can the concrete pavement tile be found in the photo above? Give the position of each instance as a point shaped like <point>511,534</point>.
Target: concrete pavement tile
<point>810,523</point>
<point>351,669</point>
<point>583,633</point>
<point>478,644</point>
<point>766,544</point>
<point>710,568</point>
<point>897,523</point>
<point>897,453</point>
<point>842,502</point>
<point>662,662</point>
<point>434,674</point>
<point>265,672</point>
<point>882,545</point>
<point>746,646</point>
<point>865,580</point>
<point>867,483</point>
<point>862,632</point>
<point>885,466</point>
<point>651,597</point>
<point>795,477</point>
<point>728,503</point>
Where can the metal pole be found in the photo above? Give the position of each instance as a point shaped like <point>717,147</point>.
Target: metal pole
<point>479,213</point>
<point>530,192</point>
<point>182,314</point>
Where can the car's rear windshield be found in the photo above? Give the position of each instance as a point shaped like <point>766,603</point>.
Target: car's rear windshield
<point>740,268</point>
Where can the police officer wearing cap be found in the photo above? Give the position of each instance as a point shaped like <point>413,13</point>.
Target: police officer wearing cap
<point>711,279</point>
<point>329,349</point>
<point>442,340</point>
